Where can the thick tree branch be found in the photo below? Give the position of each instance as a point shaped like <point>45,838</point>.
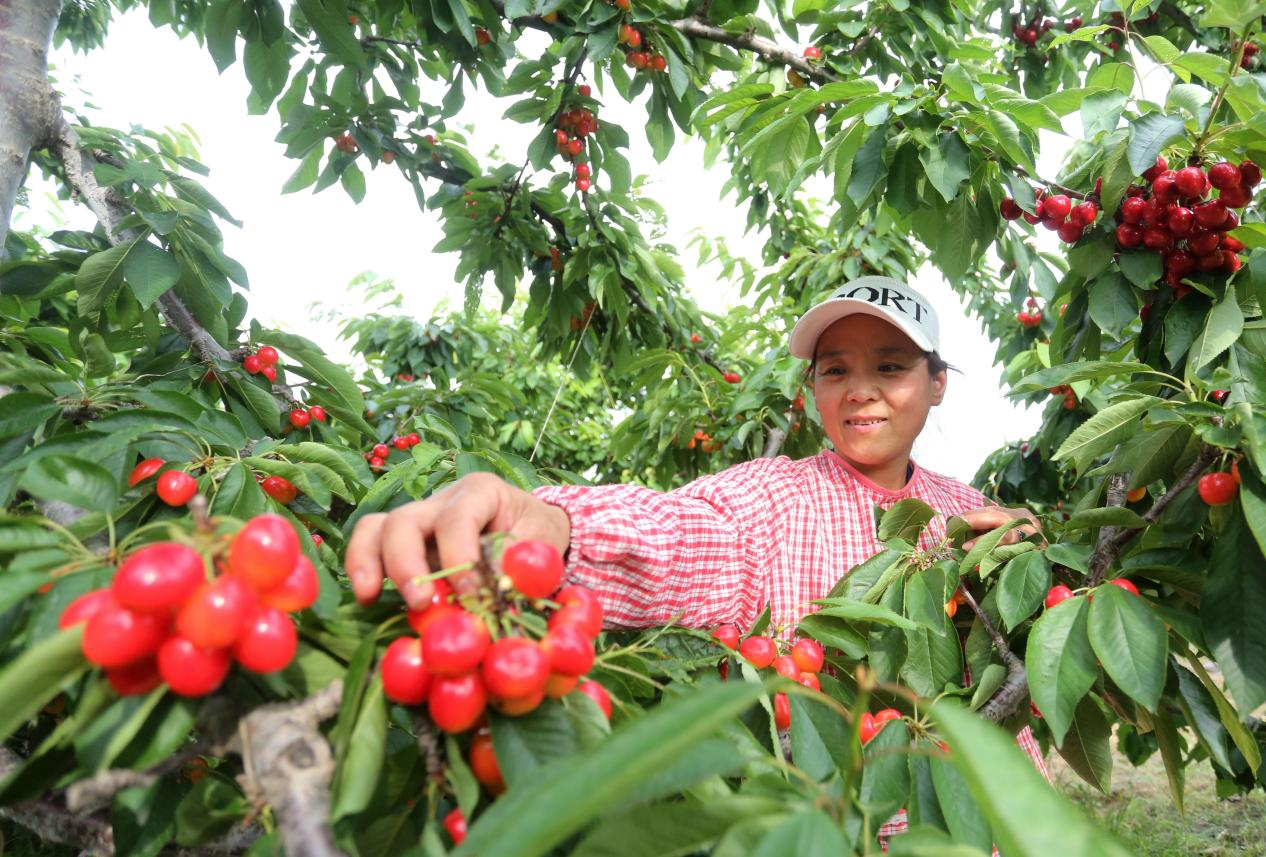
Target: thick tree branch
<point>764,48</point>
<point>1117,484</point>
<point>1107,551</point>
<point>776,437</point>
<point>26,112</point>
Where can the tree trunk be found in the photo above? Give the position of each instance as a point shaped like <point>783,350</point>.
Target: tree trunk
<point>26,107</point>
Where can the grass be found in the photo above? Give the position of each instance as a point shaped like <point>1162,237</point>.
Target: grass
<point>1140,812</point>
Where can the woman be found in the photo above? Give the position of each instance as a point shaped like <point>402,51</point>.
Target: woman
<point>773,532</point>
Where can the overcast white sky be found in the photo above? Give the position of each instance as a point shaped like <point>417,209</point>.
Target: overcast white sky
<point>300,249</point>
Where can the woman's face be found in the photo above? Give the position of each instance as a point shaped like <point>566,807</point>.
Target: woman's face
<point>873,390</point>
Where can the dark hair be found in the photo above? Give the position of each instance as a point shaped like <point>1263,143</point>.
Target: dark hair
<point>936,365</point>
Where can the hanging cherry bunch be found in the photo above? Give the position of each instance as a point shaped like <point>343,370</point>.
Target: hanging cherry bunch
<point>1030,316</point>
<point>575,123</point>
<point>1171,217</point>
<point>639,54</point>
<point>1248,59</point>
<point>262,362</point>
<point>162,620</point>
<point>1028,34</point>
<point>377,457</point>
<point>801,662</point>
<point>1070,398</point>
<point>301,417</point>
<point>482,650</point>
<point>1056,212</point>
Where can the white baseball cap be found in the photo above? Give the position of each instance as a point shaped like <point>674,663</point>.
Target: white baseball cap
<point>882,297</point>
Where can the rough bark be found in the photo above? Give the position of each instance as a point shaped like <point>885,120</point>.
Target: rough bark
<point>26,112</point>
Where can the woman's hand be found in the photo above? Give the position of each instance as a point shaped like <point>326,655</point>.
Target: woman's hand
<point>442,531</point>
<point>988,518</point>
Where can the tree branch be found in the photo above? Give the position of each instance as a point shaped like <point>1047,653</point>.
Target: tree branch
<point>1107,551</point>
<point>1116,497</point>
<point>767,50</point>
<point>1007,699</point>
<point>776,437</point>
<point>26,112</point>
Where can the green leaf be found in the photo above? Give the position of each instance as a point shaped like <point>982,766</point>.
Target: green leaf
<point>1060,663</point>
<point>1235,15</point>
<point>34,677</point>
<point>357,775</point>
<point>1202,716</point>
<point>80,483</point>
<point>1149,135</point>
<point>1028,817</point>
<point>567,793</point>
<point>525,744</point>
<point>1086,748</point>
<point>946,165</point>
<point>1223,327</point>
<point>1130,642</point>
<point>306,173</point>
<point>329,19</point>
<point>868,166</point>
<point>886,775</point>
<point>905,520</point>
<point>671,828</point>
<point>1104,430</point>
<point>962,812</point>
<point>820,739</point>
<point>809,833</point>
<point>1231,611</point>
<point>1211,68</point>
<point>22,412</point>
<point>99,277</point>
<point>859,611</point>
<point>1112,304</point>
<point>984,546</point>
<point>1023,586</point>
<point>1068,373</point>
<point>150,271</point>
<point>353,181</point>
<point>1244,740</point>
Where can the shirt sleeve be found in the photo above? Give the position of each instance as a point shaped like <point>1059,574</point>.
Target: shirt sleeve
<point>698,555</point>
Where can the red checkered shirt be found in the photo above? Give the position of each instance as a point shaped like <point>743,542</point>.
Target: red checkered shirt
<point>773,531</point>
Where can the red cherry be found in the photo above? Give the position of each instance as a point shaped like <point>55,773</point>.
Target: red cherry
<point>135,679</point>
<point>1250,173</point>
<point>158,577</point>
<point>1180,221</point>
<point>269,372</point>
<point>515,667</point>
<point>115,635</point>
<point>317,413</point>
<point>381,450</point>
<point>1225,175</point>
<point>1230,242</point>
<point>1230,262</point>
<point>561,138</point>
<point>808,655</point>
<point>785,665</point>
<point>1179,262</point>
<point>265,551</point>
<point>575,147</point>
<point>582,185</point>
<point>1210,214</point>
<point>569,650</point>
<point>534,567</point>
<point>176,488</point>
<point>267,642</point>
<point>455,824</point>
<point>1053,223</point>
<point>280,489</point>
<point>482,36</point>
<point>85,607</point>
<point>1202,242</point>
<point>584,89</point>
<point>1232,220</point>
<point>297,591</point>
<point>582,171</point>
<point>1070,232</point>
<point>886,715</point>
<point>579,607</point>
<point>813,52</point>
<point>455,643</point>
<point>403,670</point>
<point>867,728</point>
<point>1032,219</point>
<point>1191,182</point>
<point>1129,235</point>
<point>810,680</point>
<point>252,364</point>
<point>1132,209</point>
<point>1057,594</point>
<point>401,443</point>
<point>456,703</point>
<point>759,651</point>
<point>1236,197</point>
<point>483,762</point>
<point>1122,583</point>
<point>1157,238</point>
<point>598,694</point>
<point>782,712</point>
<point>214,616</point>
<point>1156,169</point>
<point>375,462</point>
<point>727,635</point>
<point>268,355</point>
<point>414,438</point>
<point>190,670</point>
<point>1056,207</point>
<point>1084,214</point>
<point>1165,186</point>
<point>299,418</point>
<point>144,470</point>
<point>1010,209</point>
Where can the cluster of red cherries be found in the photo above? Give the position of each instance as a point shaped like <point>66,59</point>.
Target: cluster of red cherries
<point>377,457</point>
<point>455,667</point>
<point>1030,316</point>
<point>574,125</point>
<point>1070,397</point>
<point>731,377</point>
<point>1171,216</point>
<point>639,56</point>
<point>176,487</point>
<point>162,620</point>
<point>1056,212</point>
<point>802,663</point>
<point>262,362</point>
<point>301,417</point>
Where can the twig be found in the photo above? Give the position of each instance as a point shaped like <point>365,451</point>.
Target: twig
<point>777,436</point>
<point>1107,552</point>
<point>767,50</point>
<point>1117,484</point>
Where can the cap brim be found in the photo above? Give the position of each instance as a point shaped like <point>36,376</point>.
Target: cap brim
<point>811,326</point>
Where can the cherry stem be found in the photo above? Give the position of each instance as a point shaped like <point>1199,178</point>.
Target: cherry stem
<point>443,572</point>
